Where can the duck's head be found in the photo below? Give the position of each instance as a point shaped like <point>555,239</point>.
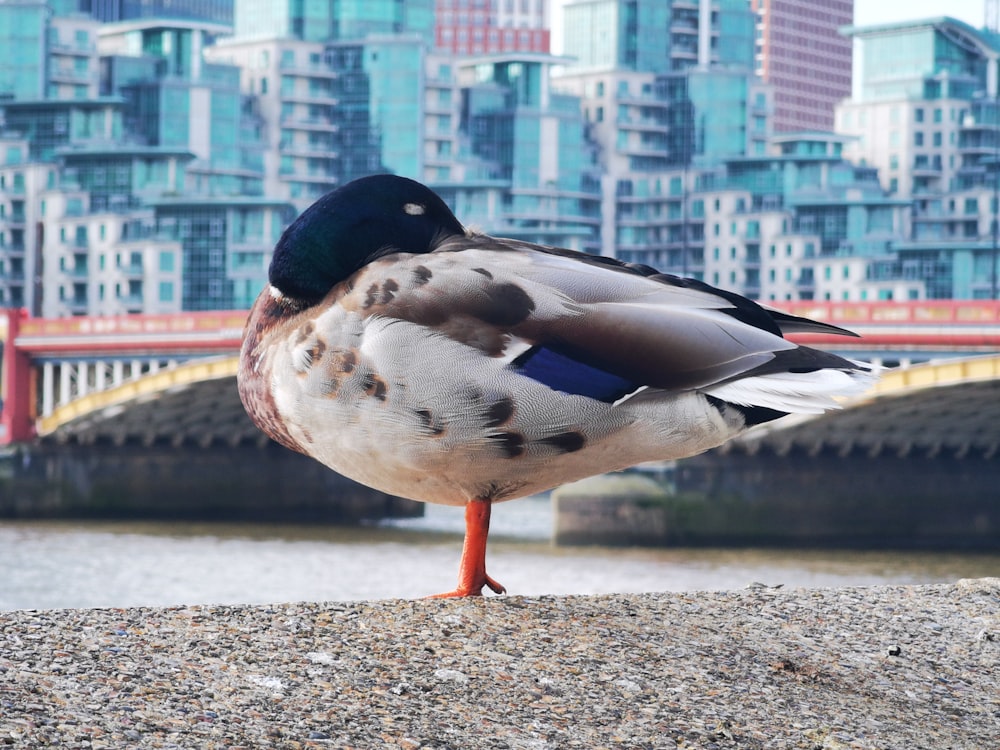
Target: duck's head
<point>352,226</point>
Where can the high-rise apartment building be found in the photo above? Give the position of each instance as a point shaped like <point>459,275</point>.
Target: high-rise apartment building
<point>665,84</point>
<point>477,27</point>
<point>913,85</point>
<point>362,100</point>
<point>526,168</point>
<point>330,21</point>
<point>109,11</point>
<point>338,88</point>
<point>131,180</point>
<point>660,36</point>
<point>924,113</point>
<point>801,53</point>
<point>46,56</point>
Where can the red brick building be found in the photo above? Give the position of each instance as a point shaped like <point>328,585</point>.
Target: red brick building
<point>808,62</point>
<point>477,27</point>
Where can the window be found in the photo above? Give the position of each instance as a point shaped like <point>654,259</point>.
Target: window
<point>166,291</point>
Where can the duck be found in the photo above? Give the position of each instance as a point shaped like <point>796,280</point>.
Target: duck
<point>433,362</point>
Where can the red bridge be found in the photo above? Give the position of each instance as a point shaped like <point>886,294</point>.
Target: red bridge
<point>65,376</point>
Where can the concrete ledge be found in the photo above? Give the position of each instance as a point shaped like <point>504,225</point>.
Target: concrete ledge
<point>885,667</point>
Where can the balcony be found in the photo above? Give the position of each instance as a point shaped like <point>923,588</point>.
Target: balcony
<point>682,26</point>
<point>326,98</point>
<point>78,273</point>
<point>315,179</point>
<point>309,71</point>
<point>76,305</point>
<point>647,125</point>
<point>130,270</point>
<point>310,123</point>
<point>71,75</point>
<point>927,167</point>
<point>62,48</point>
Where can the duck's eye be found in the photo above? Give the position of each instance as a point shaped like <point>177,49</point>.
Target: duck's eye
<point>415,209</point>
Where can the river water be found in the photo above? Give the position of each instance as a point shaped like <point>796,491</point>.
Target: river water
<point>46,565</point>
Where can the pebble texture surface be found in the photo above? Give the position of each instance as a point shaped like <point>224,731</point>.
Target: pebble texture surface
<point>883,667</point>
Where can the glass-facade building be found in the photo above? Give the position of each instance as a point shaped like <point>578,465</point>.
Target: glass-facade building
<point>665,85</point>
<point>177,98</point>
<point>529,170</point>
<point>149,165</point>
<point>23,31</point>
<point>924,114</point>
<point>109,11</point>
<point>319,21</point>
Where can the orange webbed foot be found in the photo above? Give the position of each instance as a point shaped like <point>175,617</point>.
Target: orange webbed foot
<point>475,589</point>
<point>472,569</point>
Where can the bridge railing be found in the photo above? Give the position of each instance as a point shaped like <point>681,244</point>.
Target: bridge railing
<point>47,363</point>
<point>963,325</point>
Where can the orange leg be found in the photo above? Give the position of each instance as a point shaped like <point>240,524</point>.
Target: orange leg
<point>472,570</point>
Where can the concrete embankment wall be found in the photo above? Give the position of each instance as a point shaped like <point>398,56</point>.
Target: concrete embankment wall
<point>793,500</point>
<point>245,483</point>
<point>863,668</point>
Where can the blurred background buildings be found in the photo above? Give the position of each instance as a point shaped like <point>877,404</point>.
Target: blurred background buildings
<point>152,152</point>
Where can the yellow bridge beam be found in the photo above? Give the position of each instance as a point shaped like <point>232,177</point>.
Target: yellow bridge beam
<point>946,372</point>
<point>148,386</point>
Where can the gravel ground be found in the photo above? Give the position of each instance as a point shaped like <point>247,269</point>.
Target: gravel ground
<point>882,667</point>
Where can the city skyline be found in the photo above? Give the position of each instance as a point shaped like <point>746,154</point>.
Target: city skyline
<point>665,155</point>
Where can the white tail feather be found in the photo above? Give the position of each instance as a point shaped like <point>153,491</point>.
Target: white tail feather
<point>795,392</point>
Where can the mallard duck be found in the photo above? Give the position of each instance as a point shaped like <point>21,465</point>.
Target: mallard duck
<point>447,366</point>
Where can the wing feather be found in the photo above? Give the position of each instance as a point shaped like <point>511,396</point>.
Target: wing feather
<point>596,319</point>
